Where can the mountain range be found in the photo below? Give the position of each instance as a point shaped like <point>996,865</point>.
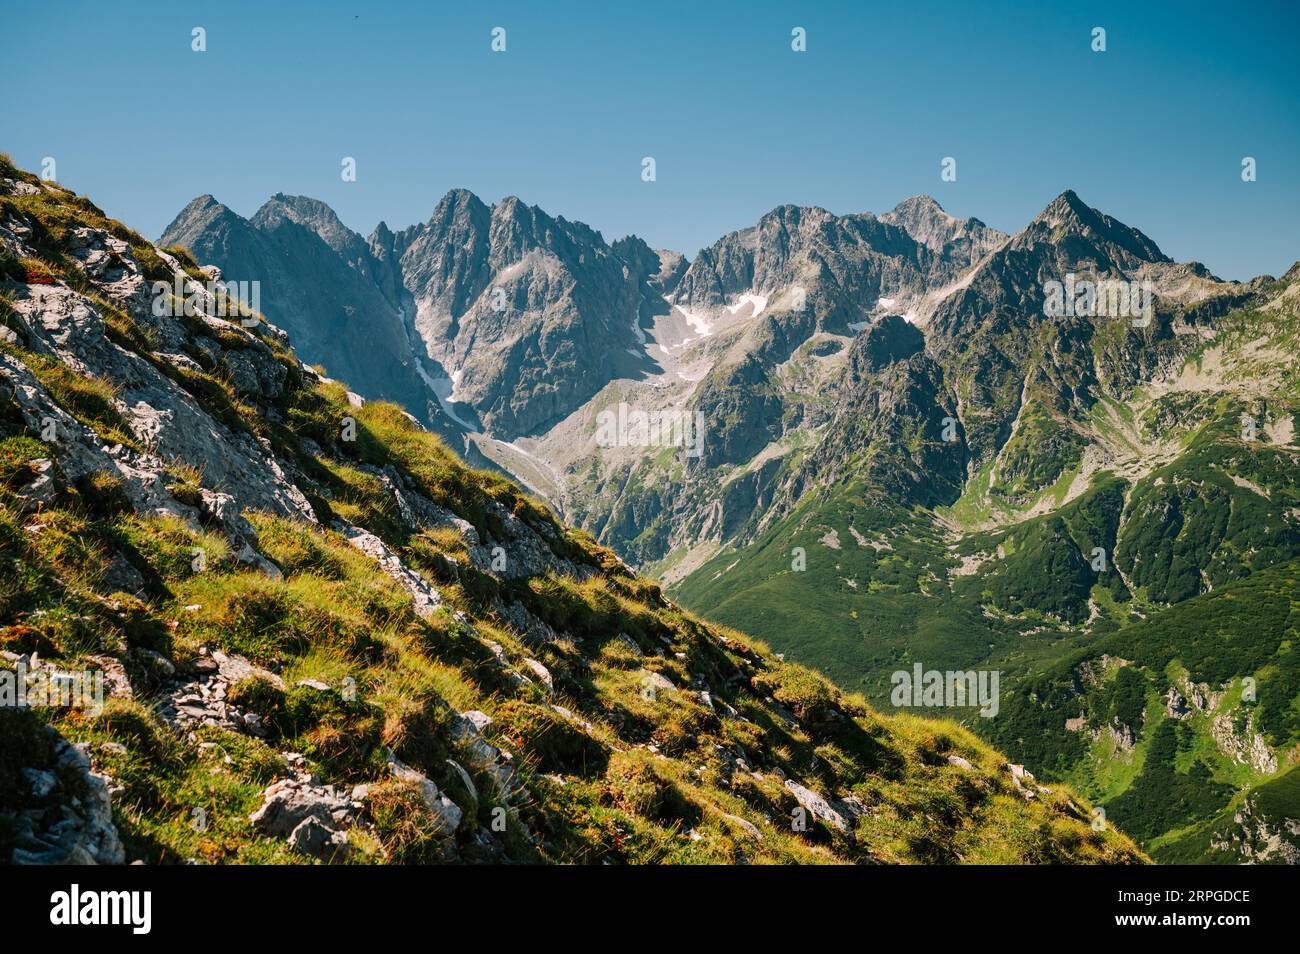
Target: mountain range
<point>908,458</point>
<point>249,615</point>
<point>899,433</point>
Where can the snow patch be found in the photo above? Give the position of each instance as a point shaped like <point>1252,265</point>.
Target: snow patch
<point>699,323</point>
<point>757,302</point>
<point>444,389</point>
<point>636,324</point>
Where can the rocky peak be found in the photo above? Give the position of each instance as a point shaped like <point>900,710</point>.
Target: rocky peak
<point>639,257</point>
<point>508,300</point>
<point>318,280</point>
<point>201,214</point>
<point>889,340</point>
<point>792,216</point>
<point>660,268</point>
<point>457,210</point>
<point>1068,220</point>
<point>517,228</point>
<point>200,205</point>
<point>317,217</point>
<point>672,266</point>
<point>962,240</point>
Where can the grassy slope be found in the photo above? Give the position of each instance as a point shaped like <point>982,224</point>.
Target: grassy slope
<point>643,780</point>
<point>876,606</point>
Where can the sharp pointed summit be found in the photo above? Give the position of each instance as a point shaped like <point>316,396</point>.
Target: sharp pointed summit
<point>1068,216</point>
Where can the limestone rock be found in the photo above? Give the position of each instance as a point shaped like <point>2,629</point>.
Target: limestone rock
<point>818,807</point>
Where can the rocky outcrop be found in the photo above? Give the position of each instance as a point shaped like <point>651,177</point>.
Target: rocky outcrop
<point>1245,745</point>
<point>426,598</point>
<point>1256,838</point>
<point>70,821</point>
<point>312,817</point>
<point>200,698</point>
<point>819,807</point>
<point>446,813</point>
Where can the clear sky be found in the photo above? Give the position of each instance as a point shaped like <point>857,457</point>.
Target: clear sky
<point>1152,131</point>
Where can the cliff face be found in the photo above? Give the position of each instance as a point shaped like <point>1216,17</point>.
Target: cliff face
<point>514,315</point>
<point>529,315</point>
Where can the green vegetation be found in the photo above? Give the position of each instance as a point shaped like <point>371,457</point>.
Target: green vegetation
<point>1180,776</point>
<point>1050,564</point>
<point>1036,456</point>
<point>1162,797</point>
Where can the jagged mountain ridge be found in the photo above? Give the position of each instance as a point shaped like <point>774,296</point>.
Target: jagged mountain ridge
<point>526,313</point>
<point>316,277</point>
<point>580,321</point>
<point>755,333</point>
<point>512,315</point>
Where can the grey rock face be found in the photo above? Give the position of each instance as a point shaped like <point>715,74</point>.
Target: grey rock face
<point>318,282</point>
<point>517,316</point>
<point>426,598</point>
<point>485,757</point>
<point>71,818</point>
<point>844,264</point>
<point>959,242</point>
<point>69,327</point>
<point>447,813</point>
<point>819,807</point>
<point>312,817</point>
<point>983,344</point>
<point>529,315</point>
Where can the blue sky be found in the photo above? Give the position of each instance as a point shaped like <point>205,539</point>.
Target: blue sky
<point>1152,131</point>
